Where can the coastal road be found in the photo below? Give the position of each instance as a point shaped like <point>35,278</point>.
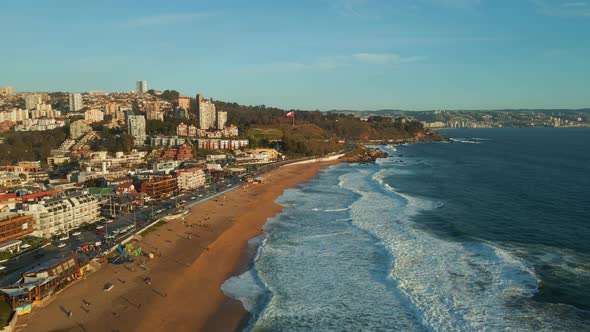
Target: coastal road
<point>140,218</point>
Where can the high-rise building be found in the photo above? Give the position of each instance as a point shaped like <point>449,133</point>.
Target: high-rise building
<point>136,128</point>
<point>141,87</point>
<point>75,102</point>
<point>206,111</point>
<point>7,90</point>
<point>153,111</point>
<point>221,119</point>
<point>31,101</point>
<point>184,102</point>
<point>93,116</point>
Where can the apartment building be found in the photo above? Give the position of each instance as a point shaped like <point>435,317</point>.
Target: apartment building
<point>93,116</point>
<point>62,214</point>
<point>136,128</point>
<point>159,187</point>
<point>192,178</point>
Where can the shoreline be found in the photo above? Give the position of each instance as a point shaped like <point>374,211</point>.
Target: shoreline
<point>195,255</point>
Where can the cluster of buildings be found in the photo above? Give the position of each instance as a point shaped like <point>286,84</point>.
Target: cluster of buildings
<point>59,196</point>
<point>33,203</point>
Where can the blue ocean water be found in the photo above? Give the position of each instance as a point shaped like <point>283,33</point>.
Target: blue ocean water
<point>490,232</point>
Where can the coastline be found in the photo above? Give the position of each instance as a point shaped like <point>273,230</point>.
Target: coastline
<point>185,292</point>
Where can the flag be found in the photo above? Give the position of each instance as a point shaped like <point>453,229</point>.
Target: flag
<point>291,114</point>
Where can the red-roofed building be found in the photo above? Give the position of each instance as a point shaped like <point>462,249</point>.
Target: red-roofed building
<point>126,188</point>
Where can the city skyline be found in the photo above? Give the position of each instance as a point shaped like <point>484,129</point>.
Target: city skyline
<point>329,54</point>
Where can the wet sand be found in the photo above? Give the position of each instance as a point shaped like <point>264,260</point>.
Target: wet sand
<point>194,256</point>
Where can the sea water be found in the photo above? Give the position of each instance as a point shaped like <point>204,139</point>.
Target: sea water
<point>488,232</point>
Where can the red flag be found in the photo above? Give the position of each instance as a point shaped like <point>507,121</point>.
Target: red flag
<point>291,114</point>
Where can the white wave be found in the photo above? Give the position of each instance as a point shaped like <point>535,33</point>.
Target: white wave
<point>453,286</point>
<point>337,210</point>
<point>464,140</point>
<point>246,288</point>
<point>391,147</point>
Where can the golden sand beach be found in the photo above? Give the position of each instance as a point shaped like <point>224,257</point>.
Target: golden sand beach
<point>193,257</point>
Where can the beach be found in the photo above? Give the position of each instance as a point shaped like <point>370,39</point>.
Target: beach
<point>194,255</point>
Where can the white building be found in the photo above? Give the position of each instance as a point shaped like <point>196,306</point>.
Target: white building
<point>167,141</point>
<point>136,128</point>
<point>39,124</point>
<point>206,112</point>
<point>31,101</point>
<point>76,102</point>
<point>141,86</point>
<point>14,115</point>
<point>165,167</point>
<point>221,119</point>
<point>188,179</point>
<point>92,116</point>
<point>61,215</point>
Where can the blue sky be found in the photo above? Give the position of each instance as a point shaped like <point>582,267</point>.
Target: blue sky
<point>310,54</point>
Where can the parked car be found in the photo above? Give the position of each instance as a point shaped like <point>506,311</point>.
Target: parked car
<point>100,227</point>
<point>61,245</point>
<point>108,286</point>
<point>63,237</point>
<point>77,233</point>
<point>100,231</point>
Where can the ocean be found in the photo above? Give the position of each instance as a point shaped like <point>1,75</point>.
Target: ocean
<point>488,232</point>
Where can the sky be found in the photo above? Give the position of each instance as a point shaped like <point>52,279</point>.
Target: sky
<point>308,54</point>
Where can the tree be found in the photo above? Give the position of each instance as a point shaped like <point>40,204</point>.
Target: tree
<point>121,142</point>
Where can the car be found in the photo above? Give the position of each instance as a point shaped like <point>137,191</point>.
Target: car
<point>200,195</point>
<point>2,267</point>
<point>100,232</point>
<point>109,237</point>
<point>63,238</point>
<point>108,286</point>
<point>193,197</point>
<point>108,221</point>
<point>25,246</point>
<point>100,227</point>
<point>77,233</point>
<point>61,245</point>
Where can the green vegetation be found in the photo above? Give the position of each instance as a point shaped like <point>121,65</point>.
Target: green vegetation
<point>170,96</point>
<point>5,313</point>
<point>153,228</point>
<point>121,142</point>
<point>31,145</point>
<point>314,132</point>
<point>264,137</point>
<point>265,133</point>
<point>33,241</point>
<point>167,128</point>
<point>5,255</point>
